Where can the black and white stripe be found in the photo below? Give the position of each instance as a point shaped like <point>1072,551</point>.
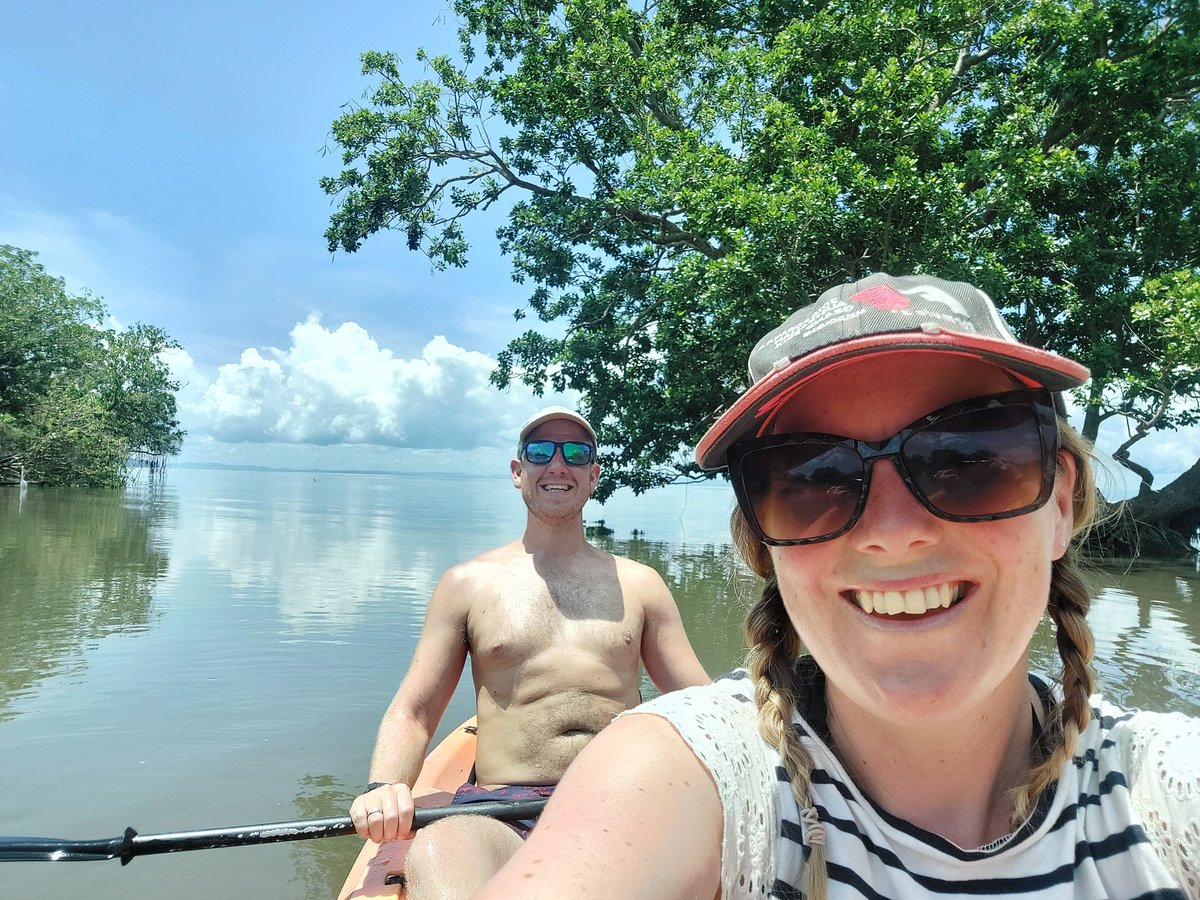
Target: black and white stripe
<point>1087,838</point>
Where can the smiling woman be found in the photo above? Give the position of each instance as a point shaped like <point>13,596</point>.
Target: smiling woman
<point>909,497</point>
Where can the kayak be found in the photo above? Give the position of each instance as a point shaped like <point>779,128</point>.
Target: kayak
<point>378,871</point>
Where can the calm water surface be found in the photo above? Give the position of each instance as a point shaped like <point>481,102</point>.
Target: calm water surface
<point>218,649</point>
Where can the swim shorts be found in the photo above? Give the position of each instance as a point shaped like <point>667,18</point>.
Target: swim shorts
<point>470,793</point>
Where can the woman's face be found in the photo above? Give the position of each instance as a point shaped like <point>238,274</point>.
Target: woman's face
<point>914,668</point>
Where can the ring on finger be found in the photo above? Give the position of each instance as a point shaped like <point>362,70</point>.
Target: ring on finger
<point>374,812</point>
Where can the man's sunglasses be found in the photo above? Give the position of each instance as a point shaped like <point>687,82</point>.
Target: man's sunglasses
<point>983,459</point>
<point>574,453</point>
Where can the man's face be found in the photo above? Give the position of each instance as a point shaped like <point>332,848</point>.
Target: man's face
<point>555,491</point>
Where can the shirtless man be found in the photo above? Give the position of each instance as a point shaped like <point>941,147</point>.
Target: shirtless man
<point>555,628</point>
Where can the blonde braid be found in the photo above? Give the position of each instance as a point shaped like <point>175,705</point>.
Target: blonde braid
<point>773,649</point>
<point>773,645</point>
<point>1070,600</point>
<point>1065,721</point>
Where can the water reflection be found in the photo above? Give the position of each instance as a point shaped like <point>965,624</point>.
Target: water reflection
<point>1147,628</point>
<point>712,589</point>
<point>321,865</point>
<point>327,547</point>
<point>77,565</point>
<point>244,682</point>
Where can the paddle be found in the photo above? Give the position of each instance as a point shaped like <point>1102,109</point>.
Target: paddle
<point>132,844</point>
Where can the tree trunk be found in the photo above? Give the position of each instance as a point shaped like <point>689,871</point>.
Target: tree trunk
<point>1091,415</point>
<point>1159,524</point>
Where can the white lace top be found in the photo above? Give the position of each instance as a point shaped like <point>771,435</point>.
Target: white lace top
<point>1123,822</point>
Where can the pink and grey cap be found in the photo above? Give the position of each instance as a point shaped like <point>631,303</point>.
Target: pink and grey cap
<point>879,314</point>
<point>549,414</point>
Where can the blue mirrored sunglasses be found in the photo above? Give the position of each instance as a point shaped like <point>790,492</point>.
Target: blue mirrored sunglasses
<point>574,453</point>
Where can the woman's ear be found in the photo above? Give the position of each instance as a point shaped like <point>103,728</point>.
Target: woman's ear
<point>1064,501</point>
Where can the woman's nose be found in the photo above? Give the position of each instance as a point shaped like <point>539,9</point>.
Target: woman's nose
<point>893,520</point>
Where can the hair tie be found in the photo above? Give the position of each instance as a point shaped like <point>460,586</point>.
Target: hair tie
<point>814,831</point>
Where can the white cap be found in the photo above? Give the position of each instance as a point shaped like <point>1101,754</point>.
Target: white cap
<point>549,414</point>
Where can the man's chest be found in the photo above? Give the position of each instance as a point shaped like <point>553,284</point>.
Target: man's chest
<point>521,621</point>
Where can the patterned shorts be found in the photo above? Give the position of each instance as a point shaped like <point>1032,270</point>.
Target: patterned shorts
<point>469,793</point>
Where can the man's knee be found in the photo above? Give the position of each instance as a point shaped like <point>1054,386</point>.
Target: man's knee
<point>459,852</point>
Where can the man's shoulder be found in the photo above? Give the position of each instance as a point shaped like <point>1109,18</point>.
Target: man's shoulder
<point>634,574</point>
<point>632,566</point>
<point>487,561</point>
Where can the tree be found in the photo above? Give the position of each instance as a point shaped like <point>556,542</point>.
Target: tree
<point>76,398</point>
<point>680,176</point>
<point>43,329</point>
<point>135,387</point>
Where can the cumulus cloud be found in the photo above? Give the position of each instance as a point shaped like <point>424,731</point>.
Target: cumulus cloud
<point>339,386</point>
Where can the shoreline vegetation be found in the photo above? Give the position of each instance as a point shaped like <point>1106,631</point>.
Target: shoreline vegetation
<point>80,403</point>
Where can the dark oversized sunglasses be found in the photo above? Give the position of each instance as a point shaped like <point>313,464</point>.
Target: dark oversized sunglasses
<point>575,453</point>
<point>976,461</point>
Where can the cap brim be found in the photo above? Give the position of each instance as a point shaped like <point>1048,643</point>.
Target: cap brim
<point>755,408</point>
<point>554,417</point>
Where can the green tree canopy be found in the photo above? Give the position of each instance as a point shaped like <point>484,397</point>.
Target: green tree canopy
<point>680,175</point>
<point>76,398</point>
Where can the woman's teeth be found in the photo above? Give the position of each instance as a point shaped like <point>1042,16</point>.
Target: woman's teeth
<point>914,602</point>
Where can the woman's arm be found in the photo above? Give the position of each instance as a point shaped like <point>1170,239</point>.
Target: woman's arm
<point>636,815</point>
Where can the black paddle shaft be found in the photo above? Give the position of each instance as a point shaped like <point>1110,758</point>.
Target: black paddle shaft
<point>132,844</point>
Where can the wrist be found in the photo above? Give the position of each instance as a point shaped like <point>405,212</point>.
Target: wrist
<point>375,784</point>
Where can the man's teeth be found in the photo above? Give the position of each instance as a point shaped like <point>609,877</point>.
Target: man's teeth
<point>557,487</point>
<point>915,601</point>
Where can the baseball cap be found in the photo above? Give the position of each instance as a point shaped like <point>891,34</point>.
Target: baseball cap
<point>549,414</point>
<point>878,314</point>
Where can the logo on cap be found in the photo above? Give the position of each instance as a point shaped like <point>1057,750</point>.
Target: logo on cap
<point>881,297</point>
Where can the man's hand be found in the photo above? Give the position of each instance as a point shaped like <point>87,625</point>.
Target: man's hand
<point>383,814</point>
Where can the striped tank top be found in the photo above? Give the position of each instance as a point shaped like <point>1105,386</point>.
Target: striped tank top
<point>1123,820</point>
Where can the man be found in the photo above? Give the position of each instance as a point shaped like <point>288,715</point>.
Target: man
<point>555,628</point>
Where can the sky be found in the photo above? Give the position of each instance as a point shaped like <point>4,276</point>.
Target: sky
<point>167,157</point>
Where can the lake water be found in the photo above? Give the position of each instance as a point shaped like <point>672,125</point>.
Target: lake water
<point>217,649</point>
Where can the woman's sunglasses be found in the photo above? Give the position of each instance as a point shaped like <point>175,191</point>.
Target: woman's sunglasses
<point>983,459</point>
<point>575,453</point>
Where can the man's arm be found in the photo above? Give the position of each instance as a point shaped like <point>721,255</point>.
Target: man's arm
<point>413,715</point>
<point>667,653</point>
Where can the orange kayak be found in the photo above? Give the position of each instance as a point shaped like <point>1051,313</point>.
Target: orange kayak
<point>378,871</point>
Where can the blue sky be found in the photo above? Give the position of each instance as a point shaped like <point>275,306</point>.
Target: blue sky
<point>166,157</point>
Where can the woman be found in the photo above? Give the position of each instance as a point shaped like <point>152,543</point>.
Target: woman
<point>909,496</point>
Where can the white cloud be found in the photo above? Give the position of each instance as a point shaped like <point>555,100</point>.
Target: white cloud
<point>339,386</point>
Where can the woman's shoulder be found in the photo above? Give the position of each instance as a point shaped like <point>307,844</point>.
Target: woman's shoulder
<point>1163,748</point>
<point>1157,758</point>
<point>718,721</point>
<point>1167,741</point>
<point>732,693</point>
